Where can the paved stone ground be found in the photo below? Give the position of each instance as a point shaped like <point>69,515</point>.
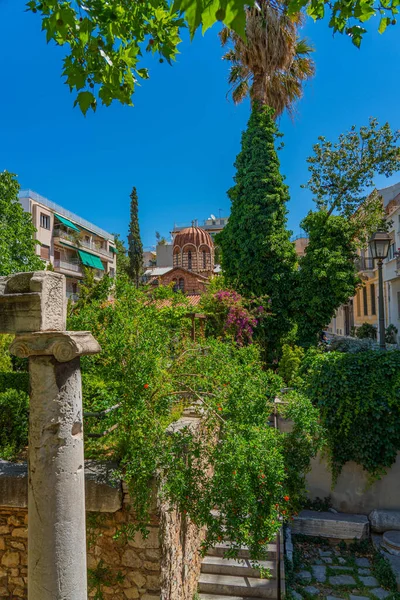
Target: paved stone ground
<point>334,573</point>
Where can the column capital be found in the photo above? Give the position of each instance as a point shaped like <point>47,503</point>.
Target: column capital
<point>63,345</point>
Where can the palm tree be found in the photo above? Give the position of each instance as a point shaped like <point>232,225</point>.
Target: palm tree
<point>273,62</point>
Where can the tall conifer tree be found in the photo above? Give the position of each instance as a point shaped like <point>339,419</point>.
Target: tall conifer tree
<point>135,250</point>
<point>258,257</point>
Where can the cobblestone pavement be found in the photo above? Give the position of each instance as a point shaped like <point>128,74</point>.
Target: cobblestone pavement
<point>335,573</point>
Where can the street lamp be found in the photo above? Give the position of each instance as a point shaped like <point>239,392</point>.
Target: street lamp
<point>379,249</point>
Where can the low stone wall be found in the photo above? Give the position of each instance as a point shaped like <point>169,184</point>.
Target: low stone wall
<point>352,492</point>
<point>164,566</point>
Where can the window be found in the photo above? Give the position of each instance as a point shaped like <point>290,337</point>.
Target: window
<point>44,221</point>
<point>204,259</point>
<point>45,252</point>
<point>190,260</point>
<point>373,299</point>
<point>358,300</point>
<point>182,284</point>
<point>391,252</point>
<point>365,299</point>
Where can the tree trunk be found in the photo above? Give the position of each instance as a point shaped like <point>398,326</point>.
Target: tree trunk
<point>258,95</point>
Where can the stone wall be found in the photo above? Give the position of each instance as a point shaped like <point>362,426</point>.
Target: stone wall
<point>164,566</point>
<point>353,492</point>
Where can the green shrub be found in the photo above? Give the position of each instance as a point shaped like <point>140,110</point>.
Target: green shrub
<point>14,410</point>
<point>352,345</point>
<point>5,357</point>
<point>391,334</point>
<point>290,363</point>
<point>18,380</point>
<point>359,399</point>
<point>366,330</point>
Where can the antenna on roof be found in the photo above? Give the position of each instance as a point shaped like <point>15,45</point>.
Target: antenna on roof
<point>212,217</point>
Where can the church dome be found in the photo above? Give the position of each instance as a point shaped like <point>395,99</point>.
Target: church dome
<point>193,235</point>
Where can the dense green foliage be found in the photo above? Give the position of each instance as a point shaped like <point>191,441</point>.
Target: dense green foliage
<point>135,251</point>
<point>122,256</point>
<point>5,356</point>
<point>290,362</point>
<point>359,400</point>
<point>17,246</point>
<point>366,330</point>
<point>17,380</point>
<point>258,258</point>
<point>327,277</point>
<point>14,406</point>
<point>239,464</point>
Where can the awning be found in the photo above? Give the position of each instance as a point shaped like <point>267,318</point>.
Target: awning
<point>66,222</point>
<point>90,260</point>
<point>113,249</point>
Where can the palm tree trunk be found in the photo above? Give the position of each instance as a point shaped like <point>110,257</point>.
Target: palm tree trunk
<point>258,95</point>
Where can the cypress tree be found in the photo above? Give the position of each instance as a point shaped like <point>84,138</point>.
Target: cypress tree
<point>135,250</point>
<point>258,257</point>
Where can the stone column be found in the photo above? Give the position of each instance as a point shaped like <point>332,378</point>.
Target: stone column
<point>33,306</point>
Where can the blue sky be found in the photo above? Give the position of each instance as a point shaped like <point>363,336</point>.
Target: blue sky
<point>178,143</point>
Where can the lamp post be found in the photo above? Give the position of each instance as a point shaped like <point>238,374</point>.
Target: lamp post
<point>379,249</point>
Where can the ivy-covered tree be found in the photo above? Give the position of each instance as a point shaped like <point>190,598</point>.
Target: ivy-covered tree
<point>17,243</point>
<point>342,176</point>
<point>257,255</point>
<point>135,251</point>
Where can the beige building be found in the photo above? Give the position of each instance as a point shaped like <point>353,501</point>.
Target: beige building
<point>366,300</point>
<point>69,242</point>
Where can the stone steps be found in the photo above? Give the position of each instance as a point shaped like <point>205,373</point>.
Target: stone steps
<point>235,578</point>
<point>231,585</point>
<point>222,547</point>
<point>230,566</point>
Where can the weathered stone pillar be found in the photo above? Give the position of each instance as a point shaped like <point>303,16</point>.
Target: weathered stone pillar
<point>32,305</point>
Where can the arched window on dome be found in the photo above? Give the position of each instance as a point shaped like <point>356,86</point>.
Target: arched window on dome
<point>177,257</point>
<point>190,260</point>
<point>204,259</point>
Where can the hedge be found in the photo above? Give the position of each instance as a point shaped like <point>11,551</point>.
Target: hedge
<point>17,380</point>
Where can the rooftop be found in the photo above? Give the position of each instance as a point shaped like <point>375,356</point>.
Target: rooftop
<point>389,193</point>
<point>66,213</point>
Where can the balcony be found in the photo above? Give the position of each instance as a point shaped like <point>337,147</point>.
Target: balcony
<point>66,265</point>
<point>60,234</point>
<point>365,265</point>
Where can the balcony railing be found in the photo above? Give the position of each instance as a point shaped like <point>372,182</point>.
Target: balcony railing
<point>365,263</point>
<point>68,265</point>
<point>78,242</point>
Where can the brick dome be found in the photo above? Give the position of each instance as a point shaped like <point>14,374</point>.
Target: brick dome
<point>193,235</point>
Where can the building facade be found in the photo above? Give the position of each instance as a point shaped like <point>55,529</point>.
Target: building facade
<point>68,242</point>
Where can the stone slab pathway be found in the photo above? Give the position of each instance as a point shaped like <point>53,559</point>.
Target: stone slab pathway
<point>327,572</point>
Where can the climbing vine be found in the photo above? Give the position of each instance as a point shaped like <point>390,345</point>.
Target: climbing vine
<point>358,395</point>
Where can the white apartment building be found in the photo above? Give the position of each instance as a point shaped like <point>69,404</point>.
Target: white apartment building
<point>69,242</point>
